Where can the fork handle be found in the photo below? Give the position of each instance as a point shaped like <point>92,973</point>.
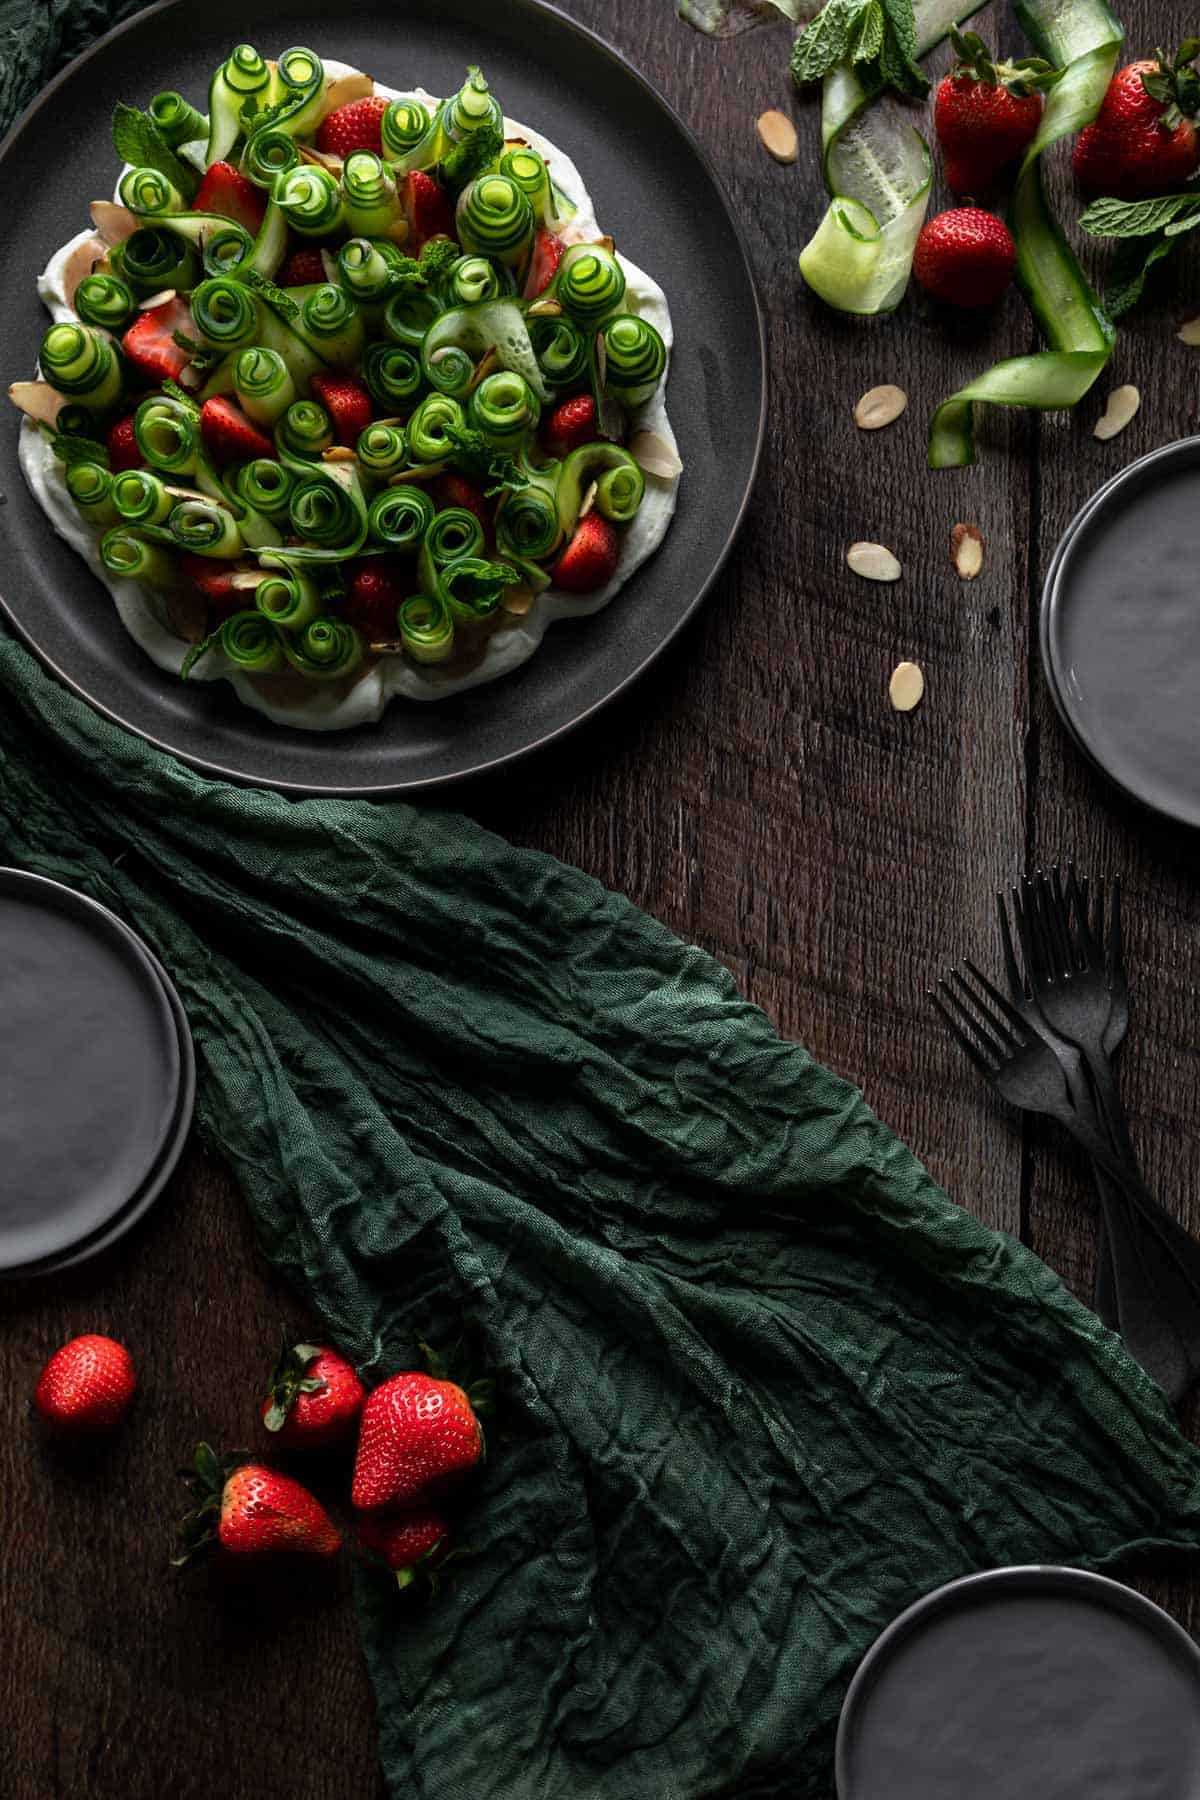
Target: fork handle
<point>1108,1101</point>
<point>1156,1314</point>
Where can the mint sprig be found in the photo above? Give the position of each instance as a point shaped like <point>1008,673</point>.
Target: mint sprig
<point>878,36</point>
<point>70,450</point>
<point>1146,232</point>
<point>477,151</point>
<point>137,140</point>
<point>277,298</point>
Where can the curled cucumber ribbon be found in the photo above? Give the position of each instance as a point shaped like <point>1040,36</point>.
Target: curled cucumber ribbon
<point>1083,39</point>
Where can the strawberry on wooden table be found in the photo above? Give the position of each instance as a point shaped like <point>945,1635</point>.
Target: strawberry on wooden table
<point>121,444</point>
<point>543,264</point>
<point>247,1509</point>
<point>150,345</point>
<point>315,1397</point>
<point>965,256</point>
<point>228,433</point>
<point>572,423</point>
<point>427,209</point>
<point>410,1544</point>
<point>348,404</point>
<point>375,588</point>
<point>87,1384</point>
<point>227,191</point>
<point>418,1433</point>
<point>355,126</point>
<point>1143,140</point>
<point>589,561</point>
<point>301,268</point>
<point>985,113</point>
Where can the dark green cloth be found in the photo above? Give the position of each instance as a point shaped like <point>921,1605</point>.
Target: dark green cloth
<point>762,1383</point>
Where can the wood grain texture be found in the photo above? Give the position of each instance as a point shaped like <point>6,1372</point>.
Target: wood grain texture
<point>757,793</point>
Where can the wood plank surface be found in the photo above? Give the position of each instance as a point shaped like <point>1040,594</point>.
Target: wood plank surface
<point>756,792</point>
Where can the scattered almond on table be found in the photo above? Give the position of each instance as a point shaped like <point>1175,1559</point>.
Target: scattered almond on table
<point>906,686</point>
<point>1123,403</point>
<point>880,406</point>
<point>966,548</point>
<point>777,135</point>
<point>874,562</point>
<point>1189,331</point>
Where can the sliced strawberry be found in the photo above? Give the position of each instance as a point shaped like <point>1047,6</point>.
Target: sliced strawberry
<point>149,344</point>
<point>347,403</point>
<point>215,580</point>
<point>427,209</point>
<point>590,559</point>
<point>355,126</point>
<point>123,452</point>
<point>571,424</point>
<point>373,595</point>
<point>225,190</point>
<point>301,269</point>
<point>229,434</point>
<point>543,267</point>
<point>451,489</point>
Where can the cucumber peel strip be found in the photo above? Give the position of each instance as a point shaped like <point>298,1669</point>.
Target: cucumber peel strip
<point>878,172</point>
<point>1083,38</point>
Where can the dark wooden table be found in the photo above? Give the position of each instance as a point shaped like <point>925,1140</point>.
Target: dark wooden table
<point>756,792</point>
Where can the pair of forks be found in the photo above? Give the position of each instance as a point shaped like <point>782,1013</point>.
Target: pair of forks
<point>1047,1047</point>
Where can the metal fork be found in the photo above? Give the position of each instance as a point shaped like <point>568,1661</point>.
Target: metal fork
<point>1158,1300</point>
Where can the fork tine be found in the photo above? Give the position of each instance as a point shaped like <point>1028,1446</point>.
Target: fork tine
<point>976,1056</point>
<point>994,1051</point>
<point>1016,983</point>
<point>1017,1028</point>
<point>1022,912</point>
<point>1008,1040</point>
<point>1087,950</point>
<point>1054,911</point>
<point>1041,934</point>
<point>1098,918</point>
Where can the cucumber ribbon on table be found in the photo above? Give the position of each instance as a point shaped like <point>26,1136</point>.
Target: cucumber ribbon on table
<point>1082,38</point>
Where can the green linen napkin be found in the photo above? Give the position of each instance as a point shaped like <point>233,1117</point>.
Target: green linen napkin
<point>762,1384</point>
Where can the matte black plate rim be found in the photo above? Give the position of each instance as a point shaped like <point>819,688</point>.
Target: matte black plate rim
<point>1052,599</point>
<point>1024,1577</point>
<point>164,1167</point>
<point>382,789</point>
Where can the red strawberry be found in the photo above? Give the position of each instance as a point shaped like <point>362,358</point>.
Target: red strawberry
<point>427,209</point>
<point>373,595</point>
<point>87,1385</point>
<point>315,1398</point>
<point>225,190</point>
<point>590,559</point>
<point>1143,141</point>
<point>965,256</point>
<point>417,1433</point>
<point>123,452</point>
<point>572,423</point>
<point>985,114</point>
<point>149,344</point>
<point>302,268</point>
<point>408,1543</point>
<point>348,405</point>
<point>250,1510</point>
<point>354,126</point>
<point>229,434</point>
<point>215,579</point>
<point>543,265</point>
<point>452,489</point>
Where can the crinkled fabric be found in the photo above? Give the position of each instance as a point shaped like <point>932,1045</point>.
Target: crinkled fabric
<point>762,1383</point>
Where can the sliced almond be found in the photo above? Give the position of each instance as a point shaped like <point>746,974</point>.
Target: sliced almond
<point>387,647</point>
<point>777,135</point>
<point>906,686</point>
<point>1123,403</point>
<point>483,368</point>
<point>1189,331</point>
<point>880,406</point>
<point>354,85</point>
<point>966,548</point>
<point>80,264</point>
<point>182,493</point>
<point>589,500</point>
<point>516,143</point>
<point>246,580</point>
<point>191,377</point>
<point>874,562</point>
<point>159,299</point>
<point>603,243</point>
<point>517,600</point>
<point>544,309</point>
<point>338,453</point>
<point>422,472</point>
<point>653,453</point>
<point>114,223</point>
<point>326,158</point>
<point>37,400</point>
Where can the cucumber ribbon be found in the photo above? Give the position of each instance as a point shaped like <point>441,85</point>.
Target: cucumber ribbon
<point>878,170</point>
<point>1083,39</point>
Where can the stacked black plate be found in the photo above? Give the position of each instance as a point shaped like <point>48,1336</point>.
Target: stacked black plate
<point>97,1077</point>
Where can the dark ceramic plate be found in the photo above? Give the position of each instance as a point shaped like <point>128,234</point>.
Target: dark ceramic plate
<point>655,191</point>
<point>1021,1682</point>
<point>97,1076</point>
<point>1120,630</point>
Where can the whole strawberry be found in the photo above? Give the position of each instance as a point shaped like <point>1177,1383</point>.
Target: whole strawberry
<point>87,1385</point>
<point>966,257</point>
<point>375,588</point>
<point>1143,141</point>
<point>249,1510</point>
<point>410,1544</point>
<point>355,126</point>
<point>985,113</point>
<point>418,1432</point>
<point>314,1400</point>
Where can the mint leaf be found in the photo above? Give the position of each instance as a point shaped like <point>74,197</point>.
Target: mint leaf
<point>865,38</point>
<point>477,151</point>
<point>437,257</point>
<point>476,458</point>
<point>898,57</point>
<point>137,140</point>
<point>71,450</point>
<point>1138,218</point>
<point>823,42</point>
<point>277,298</point>
<point>1132,263</point>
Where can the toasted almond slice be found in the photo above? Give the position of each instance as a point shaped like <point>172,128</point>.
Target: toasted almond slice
<point>1189,331</point>
<point>880,406</point>
<point>483,369</point>
<point>517,600</point>
<point>544,309</point>
<point>191,377</point>
<point>182,493</point>
<point>37,400</point>
<point>246,580</point>
<point>114,223</point>
<point>516,143</point>
<point>338,453</point>
<point>1122,404</point>
<point>966,548</point>
<point>874,562</point>
<point>354,85</point>
<point>906,686</point>
<point>603,243</point>
<point>655,454</point>
<point>159,299</point>
<point>423,472</point>
<point>777,135</point>
<point>589,500</point>
<point>80,264</point>
<point>387,647</point>
<point>328,159</point>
